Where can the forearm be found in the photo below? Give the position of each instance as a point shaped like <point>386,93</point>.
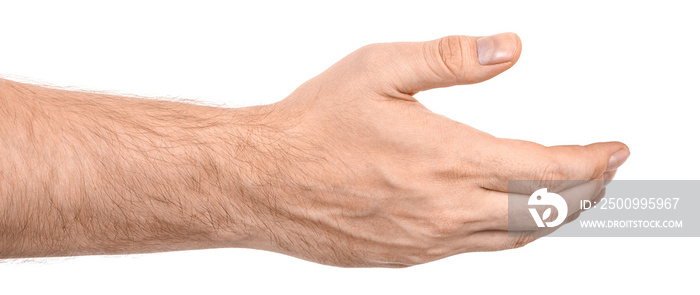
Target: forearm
<point>85,173</point>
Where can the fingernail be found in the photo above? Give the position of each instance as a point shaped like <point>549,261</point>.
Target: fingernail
<point>496,49</point>
<point>617,159</point>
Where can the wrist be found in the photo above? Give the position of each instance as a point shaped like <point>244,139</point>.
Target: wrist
<point>246,160</point>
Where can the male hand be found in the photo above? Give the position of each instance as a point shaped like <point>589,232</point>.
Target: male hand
<point>348,170</point>
<point>353,171</point>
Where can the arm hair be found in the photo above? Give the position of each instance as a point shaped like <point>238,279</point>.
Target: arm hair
<point>87,173</point>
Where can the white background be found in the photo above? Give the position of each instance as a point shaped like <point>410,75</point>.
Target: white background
<point>593,71</point>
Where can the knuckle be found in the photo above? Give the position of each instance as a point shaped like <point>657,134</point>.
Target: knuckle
<point>552,171</point>
<point>452,51</point>
<point>589,165</point>
<point>370,54</point>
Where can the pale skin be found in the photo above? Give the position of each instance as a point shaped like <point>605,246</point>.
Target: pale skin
<point>348,170</point>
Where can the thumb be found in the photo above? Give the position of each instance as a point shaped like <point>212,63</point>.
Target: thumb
<point>448,61</point>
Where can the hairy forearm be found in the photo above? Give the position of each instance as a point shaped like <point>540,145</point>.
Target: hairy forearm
<point>86,173</point>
